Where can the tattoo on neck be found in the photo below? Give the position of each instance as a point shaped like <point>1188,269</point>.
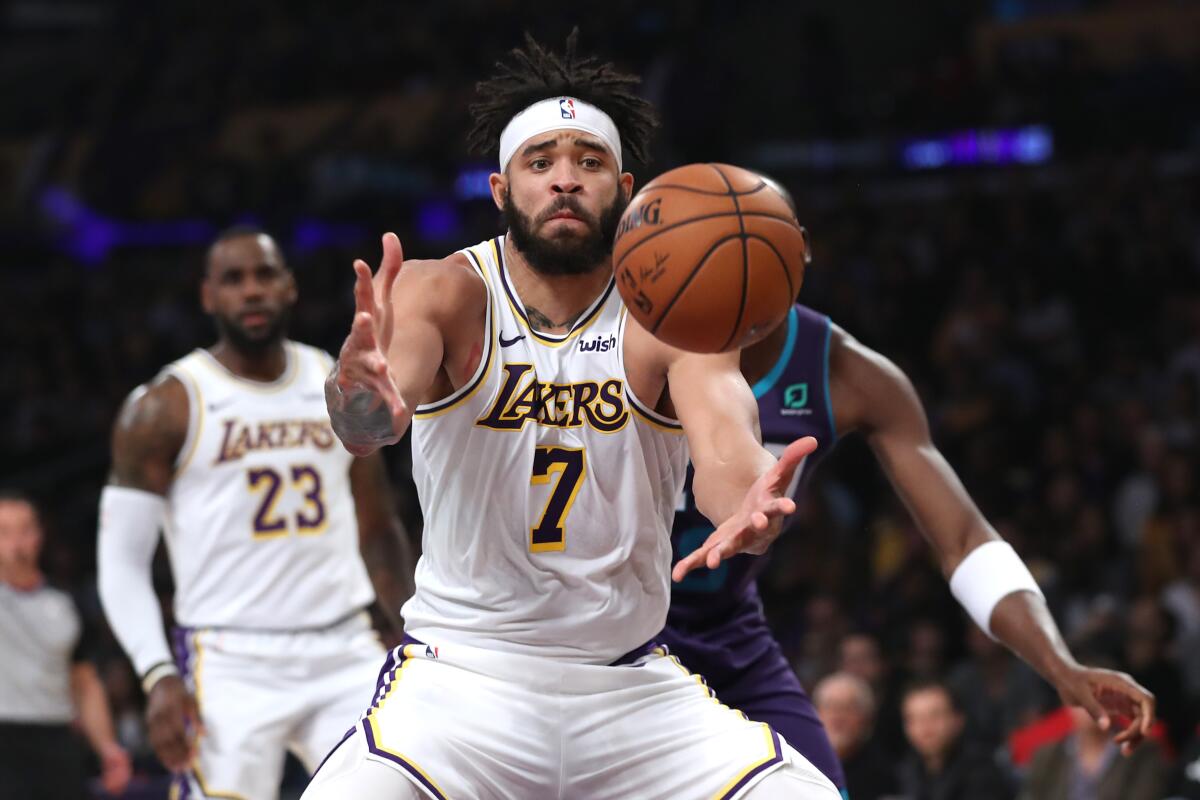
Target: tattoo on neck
<point>541,322</point>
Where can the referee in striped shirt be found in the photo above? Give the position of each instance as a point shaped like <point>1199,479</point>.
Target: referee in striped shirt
<point>45,683</point>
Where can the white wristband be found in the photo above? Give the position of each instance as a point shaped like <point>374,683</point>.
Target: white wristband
<point>157,673</point>
<point>986,576</point>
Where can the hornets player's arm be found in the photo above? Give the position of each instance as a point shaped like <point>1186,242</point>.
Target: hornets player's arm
<point>873,396</point>
<point>737,484</point>
<point>417,335</point>
<point>149,433</point>
<point>383,542</point>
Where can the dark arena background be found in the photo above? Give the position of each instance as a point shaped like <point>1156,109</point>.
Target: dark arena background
<point>1003,197</point>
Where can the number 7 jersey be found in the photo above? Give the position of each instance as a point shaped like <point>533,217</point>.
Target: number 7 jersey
<point>261,527</point>
<point>548,491</point>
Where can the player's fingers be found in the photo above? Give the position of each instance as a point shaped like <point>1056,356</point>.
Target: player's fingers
<point>172,747</point>
<point>393,259</point>
<point>364,292</point>
<point>694,559</point>
<point>687,564</point>
<point>362,336</point>
<point>778,507</point>
<point>1087,699</point>
<point>1146,706</point>
<point>795,452</point>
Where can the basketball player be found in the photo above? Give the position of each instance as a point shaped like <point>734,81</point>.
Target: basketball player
<point>812,378</point>
<point>230,451</point>
<point>548,436</point>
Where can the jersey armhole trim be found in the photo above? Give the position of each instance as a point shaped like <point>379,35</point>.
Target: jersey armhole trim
<point>768,381</point>
<point>195,417</point>
<point>828,400</point>
<point>468,390</point>
<point>640,411</point>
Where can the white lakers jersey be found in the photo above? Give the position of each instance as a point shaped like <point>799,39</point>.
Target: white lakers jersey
<point>261,528</point>
<point>548,491</point>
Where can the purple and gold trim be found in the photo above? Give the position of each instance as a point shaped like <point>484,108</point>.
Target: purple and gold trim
<point>553,340</point>
<point>749,774</point>
<point>189,657</point>
<point>774,750</point>
<point>468,390</point>
<point>389,676</point>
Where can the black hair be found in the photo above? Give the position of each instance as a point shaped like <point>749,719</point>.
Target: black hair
<point>536,73</point>
<point>239,231</point>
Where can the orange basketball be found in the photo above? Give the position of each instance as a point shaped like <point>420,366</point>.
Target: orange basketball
<point>709,257</point>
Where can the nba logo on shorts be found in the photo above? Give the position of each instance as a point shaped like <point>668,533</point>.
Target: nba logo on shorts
<point>567,106</point>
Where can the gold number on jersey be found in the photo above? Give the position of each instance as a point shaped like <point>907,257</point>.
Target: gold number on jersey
<point>570,465</point>
<point>311,518</point>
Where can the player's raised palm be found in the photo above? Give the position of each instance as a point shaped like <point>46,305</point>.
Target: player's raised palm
<point>760,519</point>
<point>365,405</point>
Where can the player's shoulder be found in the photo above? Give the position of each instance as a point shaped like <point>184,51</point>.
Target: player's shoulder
<point>158,407</point>
<point>312,354</point>
<point>449,285</point>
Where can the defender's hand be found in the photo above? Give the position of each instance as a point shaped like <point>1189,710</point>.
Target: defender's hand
<point>364,402</point>
<point>173,722</point>
<point>1106,695</point>
<point>760,519</point>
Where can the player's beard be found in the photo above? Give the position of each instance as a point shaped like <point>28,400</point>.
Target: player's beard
<point>253,343</point>
<point>566,254</point>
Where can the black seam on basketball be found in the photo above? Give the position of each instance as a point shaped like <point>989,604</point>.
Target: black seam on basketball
<point>737,323</point>
<point>782,263</point>
<point>694,190</point>
<point>687,281</point>
<point>673,225</point>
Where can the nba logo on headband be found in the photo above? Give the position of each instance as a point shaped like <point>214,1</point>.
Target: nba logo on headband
<point>573,114</point>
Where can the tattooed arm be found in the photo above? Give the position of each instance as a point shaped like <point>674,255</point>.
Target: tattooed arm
<point>147,438</point>
<point>416,336</point>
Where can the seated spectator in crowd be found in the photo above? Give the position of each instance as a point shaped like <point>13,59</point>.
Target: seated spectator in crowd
<point>999,692</point>
<point>1087,766</point>
<point>846,706</point>
<point>861,655</point>
<point>943,765</point>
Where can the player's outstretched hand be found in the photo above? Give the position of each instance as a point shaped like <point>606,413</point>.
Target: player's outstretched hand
<point>1110,697</point>
<point>364,402</point>
<point>173,723</point>
<point>760,519</point>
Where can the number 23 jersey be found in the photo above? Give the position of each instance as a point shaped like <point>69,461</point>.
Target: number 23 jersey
<point>261,527</point>
<point>548,491</point>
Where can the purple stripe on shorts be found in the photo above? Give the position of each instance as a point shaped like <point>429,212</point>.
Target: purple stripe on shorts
<point>181,647</point>
<point>409,768</point>
<point>387,676</point>
<point>348,734</point>
<point>752,774</point>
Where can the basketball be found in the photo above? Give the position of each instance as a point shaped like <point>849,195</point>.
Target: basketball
<point>709,257</point>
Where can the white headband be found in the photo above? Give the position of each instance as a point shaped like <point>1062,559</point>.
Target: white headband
<point>554,114</point>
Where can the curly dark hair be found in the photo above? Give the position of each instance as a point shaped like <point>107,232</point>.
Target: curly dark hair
<point>535,73</point>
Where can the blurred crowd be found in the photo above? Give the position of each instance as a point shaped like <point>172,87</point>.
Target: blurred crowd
<point>1049,318</point>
